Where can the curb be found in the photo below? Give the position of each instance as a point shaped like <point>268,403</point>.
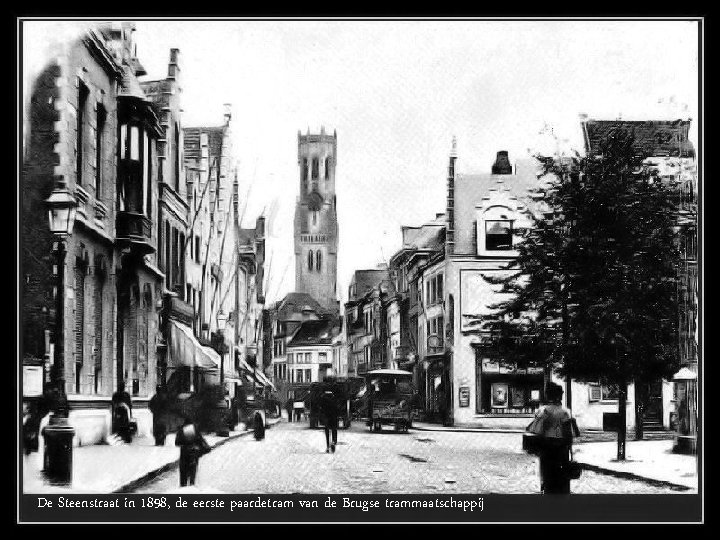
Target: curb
<point>134,484</point>
<point>632,476</point>
<point>468,430</point>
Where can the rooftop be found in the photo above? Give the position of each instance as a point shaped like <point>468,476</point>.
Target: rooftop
<point>652,137</point>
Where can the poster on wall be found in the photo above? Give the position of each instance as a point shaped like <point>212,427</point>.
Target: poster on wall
<point>464,396</point>
<point>517,397</point>
<point>499,395</point>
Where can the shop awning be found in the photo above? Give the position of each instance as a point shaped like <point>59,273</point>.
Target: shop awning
<point>186,351</point>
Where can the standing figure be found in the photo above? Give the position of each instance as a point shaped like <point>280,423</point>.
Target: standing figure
<point>329,417</point>
<point>122,413</point>
<point>158,405</point>
<point>556,428</point>
<point>192,446</point>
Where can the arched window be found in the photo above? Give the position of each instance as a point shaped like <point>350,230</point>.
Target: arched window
<point>310,260</point>
<point>315,168</point>
<point>318,261</point>
<point>328,161</point>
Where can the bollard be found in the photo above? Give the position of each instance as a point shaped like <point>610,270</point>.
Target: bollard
<point>57,462</point>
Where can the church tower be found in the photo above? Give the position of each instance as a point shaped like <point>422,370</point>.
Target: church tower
<point>316,228</point>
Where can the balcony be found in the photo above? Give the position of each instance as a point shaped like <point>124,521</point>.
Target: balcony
<point>135,231</point>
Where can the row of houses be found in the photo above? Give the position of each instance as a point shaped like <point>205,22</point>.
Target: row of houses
<point>156,260</point>
<point>428,310</point>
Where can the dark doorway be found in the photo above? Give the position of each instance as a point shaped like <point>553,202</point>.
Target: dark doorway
<point>653,400</point>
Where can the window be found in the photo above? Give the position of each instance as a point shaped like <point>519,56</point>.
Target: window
<point>310,260</point>
<point>598,392</point>
<point>439,279</point>
<point>308,375</point>
<point>168,255</point>
<point>327,168</point>
<point>314,217</point>
<point>315,168</point>
<point>197,249</point>
<point>308,358</point>
<point>299,375</point>
<point>83,94</point>
<point>498,235</point>
<point>304,171</point>
<point>99,135</point>
<point>322,358</point>
<point>318,261</point>
<point>290,358</point>
<point>98,319</point>
<point>176,148</point>
<point>79,324</point>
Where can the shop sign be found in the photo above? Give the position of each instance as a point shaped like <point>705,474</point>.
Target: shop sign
<point>490,366</point>
<point>464,395</point>
<point>33,381</point>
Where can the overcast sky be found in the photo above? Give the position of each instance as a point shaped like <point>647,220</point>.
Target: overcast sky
<point>397,92</point>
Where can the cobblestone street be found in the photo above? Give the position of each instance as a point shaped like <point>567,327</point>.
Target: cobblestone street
<point>292,459</point>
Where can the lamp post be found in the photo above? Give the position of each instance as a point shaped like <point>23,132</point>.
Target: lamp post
<point>58,434</point>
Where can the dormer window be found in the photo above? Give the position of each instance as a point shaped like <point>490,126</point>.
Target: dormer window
<point>498,235</point>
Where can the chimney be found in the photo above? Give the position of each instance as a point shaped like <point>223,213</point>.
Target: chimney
<point>502,163</point>
<point>174,65</point>
<point>228,112</point>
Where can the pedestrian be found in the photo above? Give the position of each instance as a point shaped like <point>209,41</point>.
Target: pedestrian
<point>192,445</point>
<point>555,429</point>
<point>329,415</point>
<point>158,405</point>
<point>122,413</point>
<point>259,426</point>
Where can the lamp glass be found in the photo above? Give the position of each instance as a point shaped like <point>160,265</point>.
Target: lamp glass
<point>221,320</point>
<point>61,214</point>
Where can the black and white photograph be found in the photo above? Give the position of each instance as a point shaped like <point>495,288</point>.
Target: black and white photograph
<point>407,261</point>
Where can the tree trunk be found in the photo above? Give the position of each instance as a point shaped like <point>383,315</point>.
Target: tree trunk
<point>622,423</point>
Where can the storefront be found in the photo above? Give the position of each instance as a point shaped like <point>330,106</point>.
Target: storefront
<point>505,389</point>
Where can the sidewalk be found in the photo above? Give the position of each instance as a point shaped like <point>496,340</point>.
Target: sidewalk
<point>426,426</point>
<point>103,468</point>
<point>647,460</point>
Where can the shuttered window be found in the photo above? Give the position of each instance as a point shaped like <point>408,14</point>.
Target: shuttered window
<point>98,319</point>
<point>79,326</point>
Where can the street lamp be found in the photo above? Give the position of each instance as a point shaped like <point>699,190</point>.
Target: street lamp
<point>221,319</point>
<point>59,433</point>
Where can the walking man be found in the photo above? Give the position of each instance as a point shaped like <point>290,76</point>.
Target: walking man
<point>329,415</point>
<point>192,446</point>
<point>555,427</point>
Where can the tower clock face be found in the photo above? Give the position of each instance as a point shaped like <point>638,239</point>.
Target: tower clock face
<point>314,201</point>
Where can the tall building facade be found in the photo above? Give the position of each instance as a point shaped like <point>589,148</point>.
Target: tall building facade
<point>316,227</point>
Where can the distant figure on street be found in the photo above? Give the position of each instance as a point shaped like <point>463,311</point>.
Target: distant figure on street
<point>289,408</point>
<point>158,405</point>
<point>258,426</point>
<point>192,446</point>
<point>329,416</point>
<point>122,413</point>
<point>556,428</point>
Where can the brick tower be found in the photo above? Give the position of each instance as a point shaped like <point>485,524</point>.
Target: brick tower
<point>316,228</point>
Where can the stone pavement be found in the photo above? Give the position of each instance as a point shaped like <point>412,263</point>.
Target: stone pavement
<point>649,460</point>
<point>103,468</point>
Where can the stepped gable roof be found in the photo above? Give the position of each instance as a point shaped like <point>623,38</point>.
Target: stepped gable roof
<point>318,332</point>
<point>652,137</point>
<point>191,144</point>
<point>470,189</point>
